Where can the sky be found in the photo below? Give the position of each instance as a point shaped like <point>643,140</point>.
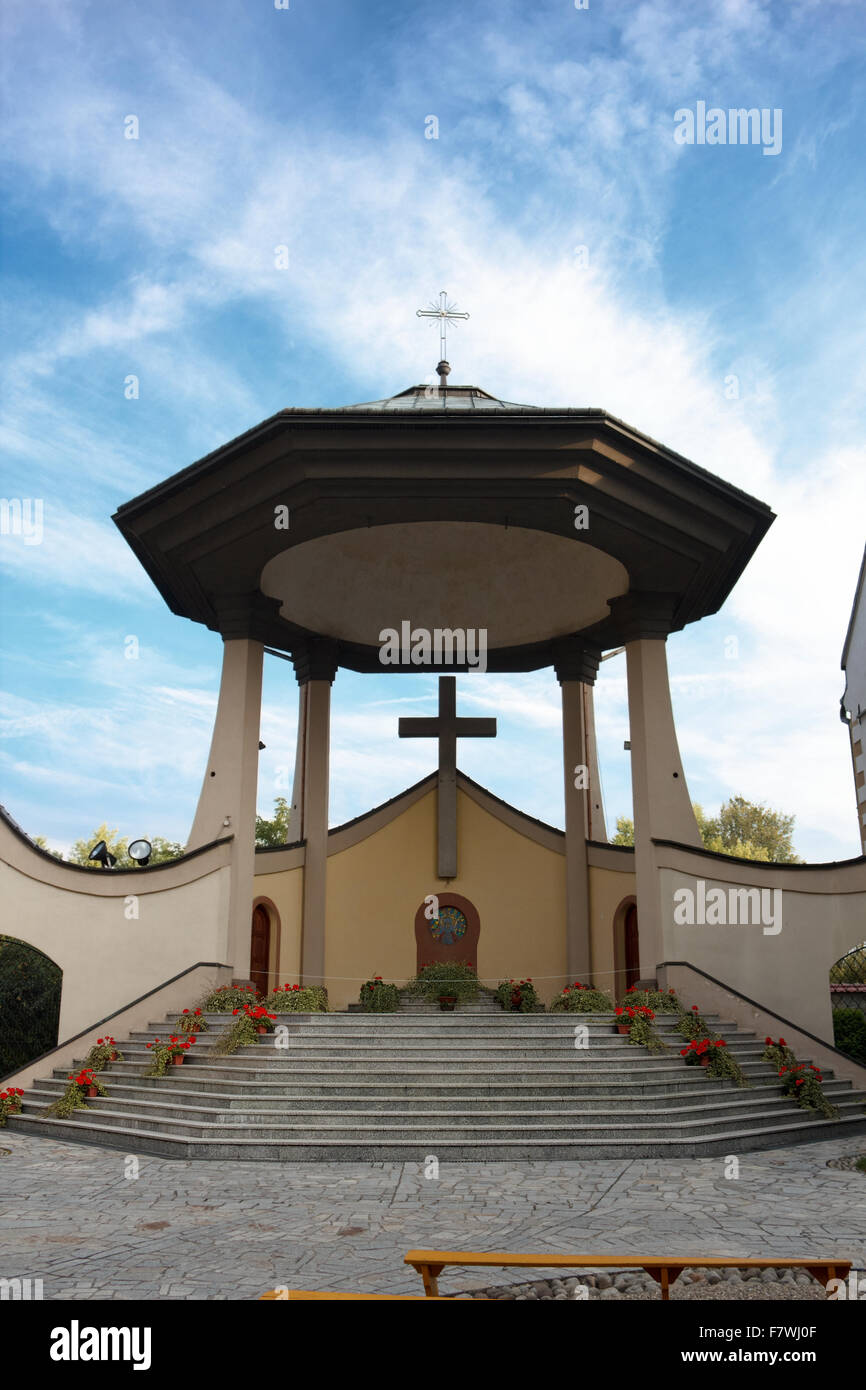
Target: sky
<point>712,295</point>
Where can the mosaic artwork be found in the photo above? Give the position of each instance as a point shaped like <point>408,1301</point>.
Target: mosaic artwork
<point>449,926</point>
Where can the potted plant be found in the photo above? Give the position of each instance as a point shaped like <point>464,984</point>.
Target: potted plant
<point>192,1021</point>
<point>804,1083</point>
<point>85,1086</point>
<point>103,1051</point>
<point>298,999</point>
<point>623,1018</point>
<point>697,1054</point>
<point>245,1031</point>
<point>517,996</point>
<point>262,1020</point>
<point>10,1103</point>
<point>447,981</point>
<point>582,999</point>
<point>377,997</point>
<point>168,1053</point>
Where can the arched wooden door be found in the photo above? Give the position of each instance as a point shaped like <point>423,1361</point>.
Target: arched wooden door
<point>452,935</point>
<point>260,948</point>
<point>632,947</point>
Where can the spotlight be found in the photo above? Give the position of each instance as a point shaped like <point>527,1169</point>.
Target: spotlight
<point>140,851</point>
<point>102,855</point>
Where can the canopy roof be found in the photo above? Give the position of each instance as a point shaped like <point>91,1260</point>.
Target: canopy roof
<point>446,509</point>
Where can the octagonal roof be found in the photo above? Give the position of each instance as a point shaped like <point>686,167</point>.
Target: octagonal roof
<point>445,507</point>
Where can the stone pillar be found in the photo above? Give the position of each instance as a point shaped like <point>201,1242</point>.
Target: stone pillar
<point>227,804</point>
<point>596,828</point>
<point>660,796</point>
<point>315,666</point>
<point>576,665</point>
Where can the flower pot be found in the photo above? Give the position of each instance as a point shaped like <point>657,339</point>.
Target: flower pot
<point>261,1030</point>
<point>112,1057</point>
<point>447,1003</point>
<point>92,1093</point>
<point>705,1059</point>
<point>177,1059</point>
<point>623,1027</point>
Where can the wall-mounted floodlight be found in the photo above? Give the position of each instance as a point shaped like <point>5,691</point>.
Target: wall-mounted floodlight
<point>102,855</point>
<point>140,851</point>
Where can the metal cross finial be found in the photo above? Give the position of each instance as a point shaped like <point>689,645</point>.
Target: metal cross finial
<point>446,313</point>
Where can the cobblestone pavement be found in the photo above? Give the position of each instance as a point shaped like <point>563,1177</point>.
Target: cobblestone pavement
<point>71,1217</point>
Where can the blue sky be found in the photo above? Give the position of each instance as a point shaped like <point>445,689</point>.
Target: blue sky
<point>306,127</point>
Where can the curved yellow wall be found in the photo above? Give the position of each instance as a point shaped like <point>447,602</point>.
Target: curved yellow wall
<point>376,886</point>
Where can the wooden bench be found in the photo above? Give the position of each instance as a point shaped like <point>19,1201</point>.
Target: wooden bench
<point>665,1269</point>
<point>284,1295</point>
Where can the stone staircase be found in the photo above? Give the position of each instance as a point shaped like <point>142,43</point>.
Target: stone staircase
<point>476,1085</point>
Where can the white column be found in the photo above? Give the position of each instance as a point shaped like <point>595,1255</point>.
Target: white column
<point>576,665</point>
<point>315,666</point>
<point>662,806</point>
<point>227,804</point>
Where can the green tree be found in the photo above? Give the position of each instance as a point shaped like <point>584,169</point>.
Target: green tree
<point>752,830</point>
<point>624,831</point>
<point>274,831</point>
<point>41,841</point>
<point>742,829</point>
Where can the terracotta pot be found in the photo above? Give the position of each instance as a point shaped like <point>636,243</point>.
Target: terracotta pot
<point>623,1027</point>
<point>705,1059</point>
<point>92,1093</point>
<point>177,1059</point>
<point>447,1002</point>
<point>112,1057</point>
<point>261,1030</point>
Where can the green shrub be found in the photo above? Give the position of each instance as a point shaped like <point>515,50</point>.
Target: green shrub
<point>804,1083</point>
<point>660,1001</point>
<point>298,999</point>
<point>721,1064</point>
<point>162,1052</point>
<point>104,1050</point>
<point>10,1103</point>
<point>29,1004</point>
<point>582,999</point>
<point>457,978</point>
<point>778,1054</point>
<point>230,997</point>
<point>377,997</point>
<point>693,1025</point>
<point>192,1021</point>
<point>849,1033</point>
<point>74,1097</point>
<point>517,996</point>
<point>641,1032</point>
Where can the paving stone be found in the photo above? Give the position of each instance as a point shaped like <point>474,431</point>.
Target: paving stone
<point>69,1218</point>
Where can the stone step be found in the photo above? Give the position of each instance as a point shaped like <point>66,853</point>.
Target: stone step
<point>145,1093</point>
<point>523,1148</point>
<point>481,1085</point>
<point>421,1130</point>
<point>610,1092</point>
<point>373,1053</point>
<point>476,1109</point>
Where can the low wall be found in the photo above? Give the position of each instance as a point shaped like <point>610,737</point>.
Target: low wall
<point>114,934</point>
<point>716,997</point>
<point>171,996</point>
<point>819,910</point>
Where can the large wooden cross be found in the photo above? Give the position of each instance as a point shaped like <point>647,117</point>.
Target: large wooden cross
<point>447,728</point>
